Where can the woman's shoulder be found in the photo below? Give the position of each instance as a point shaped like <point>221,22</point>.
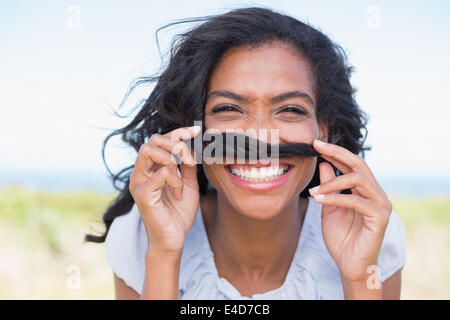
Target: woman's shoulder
<point>126,245</point>
<point>125,248</point>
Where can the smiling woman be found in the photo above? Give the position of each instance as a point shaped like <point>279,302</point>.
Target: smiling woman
<point>252,230</point>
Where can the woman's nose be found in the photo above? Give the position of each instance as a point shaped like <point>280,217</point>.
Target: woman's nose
<point>263,129</point>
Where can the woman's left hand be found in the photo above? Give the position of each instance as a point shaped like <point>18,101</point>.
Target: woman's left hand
<point>353,225</point>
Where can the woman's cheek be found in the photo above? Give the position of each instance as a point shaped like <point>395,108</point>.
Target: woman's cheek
<point>305,132</point>
<point>310,167</point>
<point>211,123</point>
<point>212,172</point>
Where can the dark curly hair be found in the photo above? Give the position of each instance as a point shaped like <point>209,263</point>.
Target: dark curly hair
<point>179,96</point>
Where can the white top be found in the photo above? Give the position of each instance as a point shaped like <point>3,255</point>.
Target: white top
<point>313,274</point>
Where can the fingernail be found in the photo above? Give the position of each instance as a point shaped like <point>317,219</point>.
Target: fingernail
<point>196,129</point>
<point>319,142</point>
<point>314,190</point>
<point>319,196</point>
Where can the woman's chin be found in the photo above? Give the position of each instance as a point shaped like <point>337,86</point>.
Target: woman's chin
<point>260,210</point>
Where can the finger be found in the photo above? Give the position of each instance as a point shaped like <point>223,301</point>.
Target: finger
<point>326,173</point>
<point>184,133</point>
<point>354,180</point>
<point>351,160</point>
<point>365,207</point>
<point>189,175</point>
<point>152,153</point>
<point>338,164</point>
<point>177,147</point>
<point>345,169</point>
<point>147,157</point>
<point>151,189</point>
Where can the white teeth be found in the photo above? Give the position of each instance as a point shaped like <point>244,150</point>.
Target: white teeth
<point>259,174</point>
<point>263,172</point>
<point>253,174</point>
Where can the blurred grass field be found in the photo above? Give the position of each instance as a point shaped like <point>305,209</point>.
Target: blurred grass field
<point>43,252</point>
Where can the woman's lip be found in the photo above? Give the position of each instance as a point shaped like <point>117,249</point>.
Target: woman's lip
<point>262,185</point>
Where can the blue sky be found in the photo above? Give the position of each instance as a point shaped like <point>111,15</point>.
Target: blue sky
<point>60,76</point>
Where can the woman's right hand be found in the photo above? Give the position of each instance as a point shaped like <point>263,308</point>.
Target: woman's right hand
<point>167,199</point>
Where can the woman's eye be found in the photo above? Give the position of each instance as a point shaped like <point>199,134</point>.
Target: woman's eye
<point>294,109</point>
<point>227,108</point>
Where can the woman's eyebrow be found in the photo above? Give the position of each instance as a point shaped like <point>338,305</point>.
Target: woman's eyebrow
<point>292,94</point>
<point>227,94</point>
<point>244,99</point>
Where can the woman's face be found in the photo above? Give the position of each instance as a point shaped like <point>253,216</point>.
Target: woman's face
<point>250,82</point>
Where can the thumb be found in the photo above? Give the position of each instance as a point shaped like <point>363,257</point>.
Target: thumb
<point>326,174</point>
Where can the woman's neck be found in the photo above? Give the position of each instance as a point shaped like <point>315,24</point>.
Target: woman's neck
<point>250,249</point>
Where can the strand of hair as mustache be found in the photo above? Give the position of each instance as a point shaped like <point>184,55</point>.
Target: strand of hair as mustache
<point>243,147</point>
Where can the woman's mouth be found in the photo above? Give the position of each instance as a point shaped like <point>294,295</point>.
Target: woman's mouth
<point>257,177</point>
<point>249,173</point>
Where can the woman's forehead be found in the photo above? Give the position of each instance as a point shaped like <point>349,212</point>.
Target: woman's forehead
<point>262,72</point>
